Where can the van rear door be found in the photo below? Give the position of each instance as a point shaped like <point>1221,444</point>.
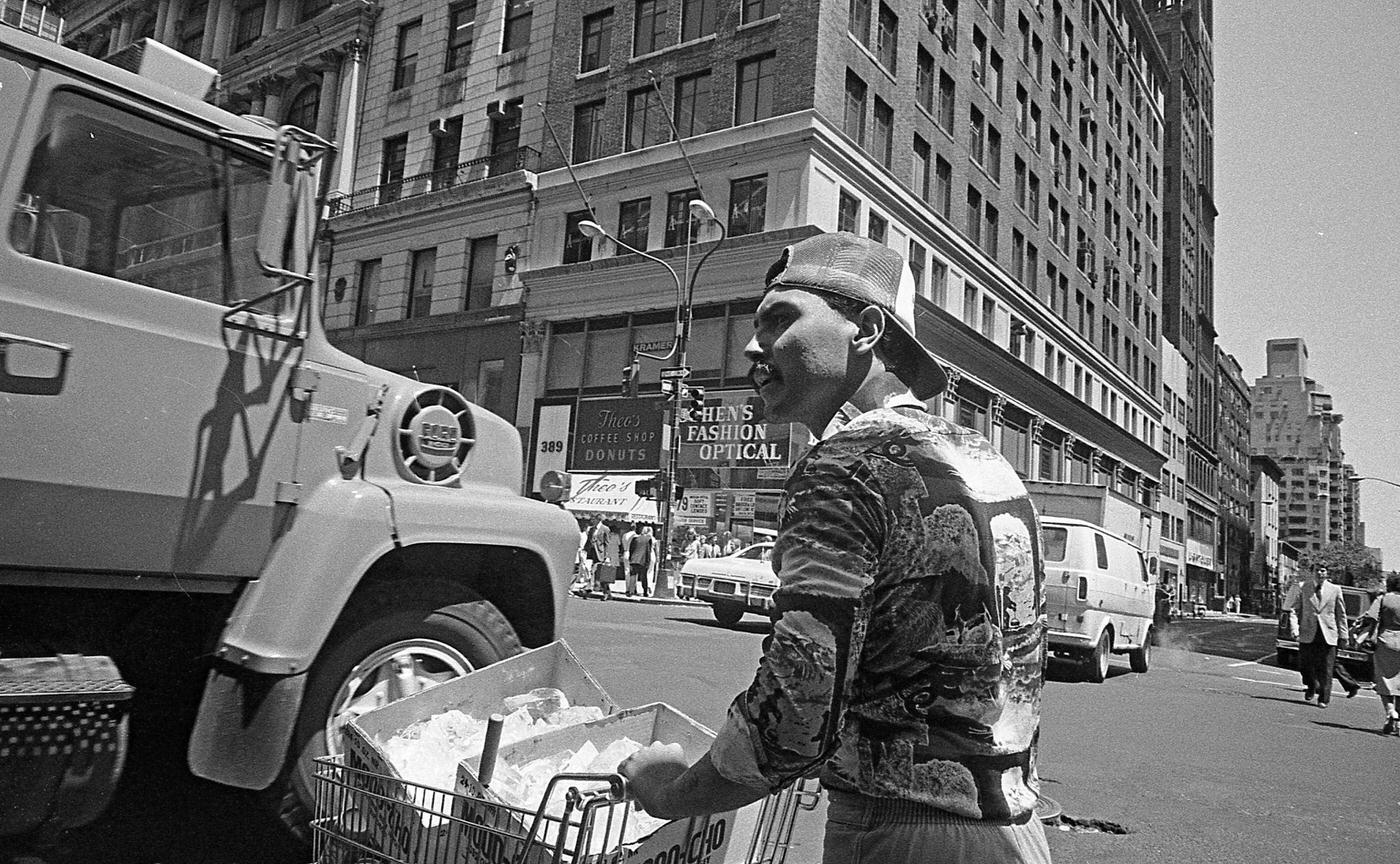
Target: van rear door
<point>141,432</point>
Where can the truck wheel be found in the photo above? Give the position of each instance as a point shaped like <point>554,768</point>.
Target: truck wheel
<point>1138,657</point>
<point>1096,665</point>
<point>728,614</point>
<point>371,659</point>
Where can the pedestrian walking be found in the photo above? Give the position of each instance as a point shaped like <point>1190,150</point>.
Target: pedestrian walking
<point>906,655</point>
<point>616,561</point>
<point>1321,619</point>
<point>624,559</point>
<point>638,560</point>
<point>1381,626</point>
<point>599,537</point>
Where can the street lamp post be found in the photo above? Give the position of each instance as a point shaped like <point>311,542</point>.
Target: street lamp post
<point>699,211</point>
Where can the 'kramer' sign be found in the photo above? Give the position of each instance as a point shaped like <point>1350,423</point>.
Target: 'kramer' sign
<point>732,433</point>
<point>617,435</point>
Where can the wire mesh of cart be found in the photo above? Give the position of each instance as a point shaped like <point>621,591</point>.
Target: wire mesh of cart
<point>364,817</point>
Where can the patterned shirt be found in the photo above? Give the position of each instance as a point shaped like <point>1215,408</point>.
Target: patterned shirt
<point>908,647</point>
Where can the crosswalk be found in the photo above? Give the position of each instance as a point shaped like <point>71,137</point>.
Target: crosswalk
<point>1276,677</point>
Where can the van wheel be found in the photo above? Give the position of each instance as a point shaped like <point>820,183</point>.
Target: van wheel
<point>374,657</point>
<point>728,614</point>
<point>1096,669</point>
<point>1138,657</point>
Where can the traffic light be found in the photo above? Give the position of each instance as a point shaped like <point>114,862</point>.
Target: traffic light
<point>629,379</point>
<point>696,397</point>
<point>645,487</point>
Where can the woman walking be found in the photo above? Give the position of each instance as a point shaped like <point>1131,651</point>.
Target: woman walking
<point>1381,623</point>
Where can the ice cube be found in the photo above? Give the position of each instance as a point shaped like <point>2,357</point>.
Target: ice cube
<point>540,702</point>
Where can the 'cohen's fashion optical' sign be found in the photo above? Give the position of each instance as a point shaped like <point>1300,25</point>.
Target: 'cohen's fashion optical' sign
<point>617,435</point>
<point>731,432</point>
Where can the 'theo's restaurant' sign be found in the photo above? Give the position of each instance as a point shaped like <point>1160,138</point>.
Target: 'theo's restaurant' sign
<point>617,435</point>
<point>732,433</point>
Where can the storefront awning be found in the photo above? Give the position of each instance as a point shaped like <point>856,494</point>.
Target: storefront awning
<point>611,495</point>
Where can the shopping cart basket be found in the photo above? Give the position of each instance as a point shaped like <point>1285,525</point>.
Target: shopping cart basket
<point>363,817</point>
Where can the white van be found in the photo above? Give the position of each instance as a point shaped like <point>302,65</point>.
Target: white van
<point>1098,596</point>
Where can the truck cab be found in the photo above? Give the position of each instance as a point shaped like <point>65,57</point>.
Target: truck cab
<point>1099,596</point>
<point>195,481</point>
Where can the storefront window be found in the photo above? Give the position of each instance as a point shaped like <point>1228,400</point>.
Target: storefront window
<point>565,359</point>
<point>706,350</point>
<point>606,355</point>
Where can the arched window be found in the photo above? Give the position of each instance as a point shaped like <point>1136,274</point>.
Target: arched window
<point>304,108</point>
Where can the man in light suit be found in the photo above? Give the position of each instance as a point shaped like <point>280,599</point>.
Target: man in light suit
<point>1322,625</point>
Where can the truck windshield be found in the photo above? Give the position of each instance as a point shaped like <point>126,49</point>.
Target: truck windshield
<point>115,194</point>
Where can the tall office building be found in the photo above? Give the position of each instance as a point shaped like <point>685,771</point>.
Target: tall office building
<point>1235,543</point>
<point>1294,423</point>
<point>1184,30</point>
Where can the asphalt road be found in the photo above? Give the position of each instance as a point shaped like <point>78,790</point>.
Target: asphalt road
<point>1210,757</point>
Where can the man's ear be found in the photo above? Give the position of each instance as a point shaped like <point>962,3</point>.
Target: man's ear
<point>870,327</point>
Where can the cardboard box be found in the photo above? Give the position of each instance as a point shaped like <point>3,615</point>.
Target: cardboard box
<point>703,840</point>
<point>410,822</point>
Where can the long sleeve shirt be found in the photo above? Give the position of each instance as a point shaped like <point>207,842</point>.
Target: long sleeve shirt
<point>907,654</point>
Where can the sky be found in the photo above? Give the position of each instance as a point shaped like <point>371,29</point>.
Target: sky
<point>1307,240</point>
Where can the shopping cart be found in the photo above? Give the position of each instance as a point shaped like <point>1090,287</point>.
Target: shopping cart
<point>363,817</point>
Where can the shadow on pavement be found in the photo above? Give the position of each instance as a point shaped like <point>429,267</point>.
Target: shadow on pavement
<point>754,625</point>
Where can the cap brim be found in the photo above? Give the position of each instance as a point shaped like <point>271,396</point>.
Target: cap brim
<point>928,379</point>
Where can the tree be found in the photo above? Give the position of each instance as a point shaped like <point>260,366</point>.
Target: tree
<point>1350,563</point>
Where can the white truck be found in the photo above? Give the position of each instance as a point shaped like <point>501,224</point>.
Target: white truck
<point>193,481</point>
<point>1100,590</point>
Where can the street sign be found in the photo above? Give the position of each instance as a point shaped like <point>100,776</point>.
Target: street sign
<point>675,372</point>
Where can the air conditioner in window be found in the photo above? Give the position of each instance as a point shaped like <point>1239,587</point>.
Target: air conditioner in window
<point>438,127</point>
<point>495,110</point>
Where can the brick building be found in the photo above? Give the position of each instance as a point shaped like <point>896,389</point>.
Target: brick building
<point>1235,546</point>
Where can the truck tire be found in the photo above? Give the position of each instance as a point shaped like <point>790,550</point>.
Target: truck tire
<point>728,614</point>
<point>1096,662</point>
<point>1138,657</point>
<point>356,665</point>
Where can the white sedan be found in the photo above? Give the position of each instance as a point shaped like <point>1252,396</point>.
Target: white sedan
<point>732,584</point>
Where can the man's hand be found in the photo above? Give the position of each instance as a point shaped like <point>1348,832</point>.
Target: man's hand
<point>650,771</point>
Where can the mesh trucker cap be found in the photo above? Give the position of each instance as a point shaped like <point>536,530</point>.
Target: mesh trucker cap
<point>842,263</point>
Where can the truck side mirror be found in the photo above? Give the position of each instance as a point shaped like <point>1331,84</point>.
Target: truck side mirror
<point>284,234</point>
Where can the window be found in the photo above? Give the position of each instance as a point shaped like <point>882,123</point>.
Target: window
<point>970,305</point>
<point>993,83</point>
<point>993,165</point>
<point>597,41</point>
<point>420,283</point>
<point>305,108</point>
<point>1018,256</point>
<point>847,212</point>
<point>757,10</point>
<point>989,317</point>
<point>578,246</point>
<point>946,100</point>
<point>248,23</point>
<point>877,227</point>
<point>922,181</point>
<point>406,55</point>
<point>643,119</point>
<point>887,38</point>
<point>853,123</point>
<point>1033,197</point>
<point>883,139</point>
<point>748,204</point>
<point>979,60</point>
<point>990,229</point>
<point>858,21</point>
<point>938,282</point>
<point>918,257</point>
<point>366,292</point>
<point>976,135</point>
<point>588,131</point>
<point>692,104</point>
<point>461,28</point>
<point>973,222</point>
<point>753,89</point>
<point>943,187</point>
<point>923,87</point>
<point>697,18</point>
<point>634,223</point>
<point>649,27</point>
<point>445,149</point>
<point>517,27</point>
<point>680,225</point>
<point>391,168</point>
<point>481,272</point>
<point>1018,180</point>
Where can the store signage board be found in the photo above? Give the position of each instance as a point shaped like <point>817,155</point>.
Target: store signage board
<point>731,432</point>
<point>696,504</point>
<point>618,434</point>
<point>744,504</point>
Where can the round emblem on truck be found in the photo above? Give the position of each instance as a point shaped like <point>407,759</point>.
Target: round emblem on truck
<point>435,434</point>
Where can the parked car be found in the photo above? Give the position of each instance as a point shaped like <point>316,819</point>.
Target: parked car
<point>1099,596</point>
<point>732,584</point>
<point>1358,659</point>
